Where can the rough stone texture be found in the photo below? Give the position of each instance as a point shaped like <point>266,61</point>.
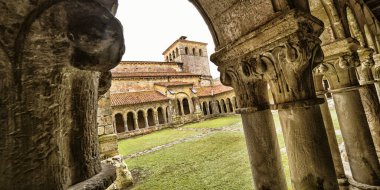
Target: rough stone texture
<point>51,56</point>
<point>109,152</point>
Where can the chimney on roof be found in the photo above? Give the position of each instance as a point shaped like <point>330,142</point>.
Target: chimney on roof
<point>183,37</point>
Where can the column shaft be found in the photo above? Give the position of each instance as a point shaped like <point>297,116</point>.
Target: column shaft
<point>334,147</point>
<point>377,86</point>
<point>310,159</point>
<point>263,150</point>
<point>136,123</point>
<point>357,138</point>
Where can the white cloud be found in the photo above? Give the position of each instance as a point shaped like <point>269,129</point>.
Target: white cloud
<point>150,26</point>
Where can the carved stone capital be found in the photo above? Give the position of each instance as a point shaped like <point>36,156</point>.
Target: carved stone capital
<point>281,53</point>
<point>376,67</point>
<point>366,63</point>
<point>339,65</point>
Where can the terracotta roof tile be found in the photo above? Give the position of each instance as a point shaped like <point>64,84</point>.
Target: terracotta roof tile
<point>168,84</point>
<point>150,74</point>
<point>129,98</point>
<point>212,90</point>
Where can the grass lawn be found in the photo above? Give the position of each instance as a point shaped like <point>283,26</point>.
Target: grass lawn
<point>140,143</point>
<point>218,161</point>
<point>216,122</point>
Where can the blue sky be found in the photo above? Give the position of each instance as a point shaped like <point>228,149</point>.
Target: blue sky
<point>150,26</point>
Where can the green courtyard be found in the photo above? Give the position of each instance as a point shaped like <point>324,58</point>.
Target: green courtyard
<point>206,155</point>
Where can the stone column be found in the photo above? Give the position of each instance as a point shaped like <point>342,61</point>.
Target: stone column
<point>259,129</point>
<point>49,91</point>
<point>155,118</point>
<point>334,147</point>
<point>136,122</point>
<point>125,118</point>
<point>146,120</point>
<point>285,58</point>
<point>339,68</point>
<point>181,107</point>
<point>208,108</point>
<point>368,94</point>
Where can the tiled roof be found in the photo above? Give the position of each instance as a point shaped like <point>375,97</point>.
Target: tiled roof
<point>213,90</point>
<point>129,98</point>
<point>167,84</point>
<point>150,74</point>
<point>151,62</point>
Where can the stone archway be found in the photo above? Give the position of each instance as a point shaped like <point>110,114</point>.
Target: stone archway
<point>141,119</point>
<point>186,106</point>
<point>180,111</point>
<point>131,121</point>
<point>150,115</point>
<point>161,115</point>
<point>219,107</point>
<point>119,122</point>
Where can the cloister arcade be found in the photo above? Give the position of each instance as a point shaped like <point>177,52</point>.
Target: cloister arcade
<point>55,61</point>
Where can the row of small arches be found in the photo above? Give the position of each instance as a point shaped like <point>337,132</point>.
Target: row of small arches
<point>175,53</point>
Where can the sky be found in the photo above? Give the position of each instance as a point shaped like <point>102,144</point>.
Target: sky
<point>150,26</point>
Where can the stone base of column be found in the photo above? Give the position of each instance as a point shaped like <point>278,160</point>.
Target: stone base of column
<point>101,180</point>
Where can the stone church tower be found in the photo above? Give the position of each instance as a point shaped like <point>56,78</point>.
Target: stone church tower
<point>192,54</point>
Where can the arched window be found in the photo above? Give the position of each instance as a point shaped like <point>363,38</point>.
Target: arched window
<point>170,57</point>
<point>161,115</point>
<point>194,51</point>
<point>204,108</point>
<point>210,107</point>
<point>173,54</point>
<point>177,51</point>
<point>131,121</point>
<point>200,52</point>
<point>186,50</point>
<point>140,119</point>
<point>186,106</point>
<point>150,117</point>
<point>119,121</point>
<point>167,58</point>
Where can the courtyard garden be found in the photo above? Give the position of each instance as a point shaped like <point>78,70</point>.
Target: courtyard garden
<point>205,155</point>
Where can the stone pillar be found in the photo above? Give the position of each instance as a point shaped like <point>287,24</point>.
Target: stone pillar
<point>285,58</point>
<point>146,120</point>
<point>368,94</point>
<point>49,91</point>
<point>181,107</point>
<point>339,68</point>
<point>155,118</point>
<point>136,121</point>
<point>259,129</point>
<point>334,147</point>
<point>125,118</point>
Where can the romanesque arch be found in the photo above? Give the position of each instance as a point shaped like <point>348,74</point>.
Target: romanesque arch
<point>161,115</point>
<point>131,121</point>
<point>119,122</point>
<point>186,106</point>
<point>141,119</point>
<point>150,115</point>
